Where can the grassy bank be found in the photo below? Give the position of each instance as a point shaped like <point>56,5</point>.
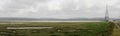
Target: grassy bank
<point>116,32</point>
<point>60,28</point>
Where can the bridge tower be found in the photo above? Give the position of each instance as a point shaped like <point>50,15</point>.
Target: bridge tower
<point>107,14</point>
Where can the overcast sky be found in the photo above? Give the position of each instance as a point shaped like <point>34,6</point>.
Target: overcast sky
<point>58,8</point>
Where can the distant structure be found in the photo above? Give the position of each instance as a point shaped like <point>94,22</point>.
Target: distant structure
<point>107,14</point>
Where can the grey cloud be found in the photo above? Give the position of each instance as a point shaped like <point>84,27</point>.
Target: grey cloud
<point>40,8</point>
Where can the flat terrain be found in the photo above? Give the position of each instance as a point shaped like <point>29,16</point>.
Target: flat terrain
<point>116,32</point>
<point>60,28</point>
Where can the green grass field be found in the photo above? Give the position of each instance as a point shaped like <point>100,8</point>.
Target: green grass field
<point>59,29</point>
<point>116,32</point>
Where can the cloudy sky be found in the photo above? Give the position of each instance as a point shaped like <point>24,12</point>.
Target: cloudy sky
<point>58,8</point>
